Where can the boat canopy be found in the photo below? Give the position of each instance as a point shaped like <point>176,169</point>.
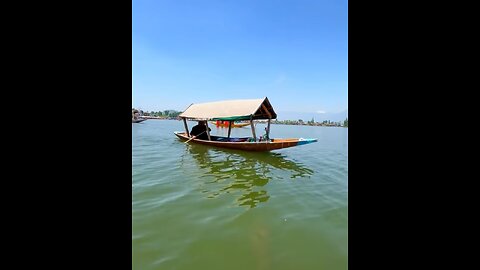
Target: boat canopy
<point>231,110</point>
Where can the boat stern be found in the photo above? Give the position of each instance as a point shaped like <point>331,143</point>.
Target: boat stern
<point>302,141</point>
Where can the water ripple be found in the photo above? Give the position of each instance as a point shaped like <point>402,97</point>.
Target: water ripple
<point>192,202</point>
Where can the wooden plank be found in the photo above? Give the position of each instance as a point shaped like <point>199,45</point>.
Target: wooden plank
<point>266,110</point>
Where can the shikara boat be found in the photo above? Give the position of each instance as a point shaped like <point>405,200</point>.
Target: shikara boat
<point>237,110</point>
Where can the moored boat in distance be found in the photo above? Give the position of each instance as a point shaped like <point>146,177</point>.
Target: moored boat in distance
<point>137,116</point>
<point>139,120</point>
<point>237,110</point>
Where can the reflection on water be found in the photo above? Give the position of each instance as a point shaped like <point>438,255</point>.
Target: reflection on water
<point>246,173</point>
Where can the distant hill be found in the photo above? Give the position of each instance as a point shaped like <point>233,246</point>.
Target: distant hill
<point>318,117</point>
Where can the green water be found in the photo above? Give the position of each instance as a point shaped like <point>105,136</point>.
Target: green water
<point>195,207</point>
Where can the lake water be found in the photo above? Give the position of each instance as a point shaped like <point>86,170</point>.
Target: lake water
<point>197,207</point>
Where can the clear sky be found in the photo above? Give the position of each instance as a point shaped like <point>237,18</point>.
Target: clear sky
<point>295,52</point>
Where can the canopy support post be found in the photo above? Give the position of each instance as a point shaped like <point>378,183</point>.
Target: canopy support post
<point>229,128</point>
<point>208,131</point>
<point>268,129</point>
<point>186,127</point>
<point>253,130</point>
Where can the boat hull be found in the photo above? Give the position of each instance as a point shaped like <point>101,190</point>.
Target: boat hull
<point>243,144</point>
<point>138,120</point>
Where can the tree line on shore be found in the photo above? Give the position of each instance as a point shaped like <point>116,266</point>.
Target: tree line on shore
<point>173,114</point>
<point>312,122</point>
<point>167,114</point>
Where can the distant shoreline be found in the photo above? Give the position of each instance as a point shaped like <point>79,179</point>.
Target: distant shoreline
<point>159,118</point>
<point>286,122</point>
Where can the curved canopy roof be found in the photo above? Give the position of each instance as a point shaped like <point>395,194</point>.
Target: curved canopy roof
<point>231,110</point>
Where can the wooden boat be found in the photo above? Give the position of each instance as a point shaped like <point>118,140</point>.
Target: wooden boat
<point>234,125</point>
<point>137,116</point>
<point>236,110</point>
<point>138,120</point>
<point>245,144</point>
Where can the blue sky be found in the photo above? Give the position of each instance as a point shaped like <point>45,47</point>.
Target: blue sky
<point>293,52</point>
